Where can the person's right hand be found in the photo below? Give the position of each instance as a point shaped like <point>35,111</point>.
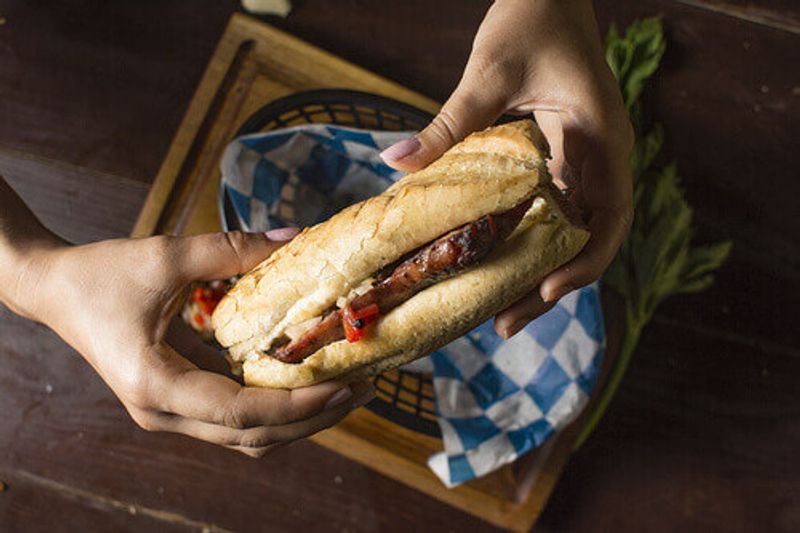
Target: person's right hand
<point>112,301</point>
<point>545,57</point>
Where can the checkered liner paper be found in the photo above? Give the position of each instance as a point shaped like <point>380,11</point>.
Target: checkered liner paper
<point>495,399</point>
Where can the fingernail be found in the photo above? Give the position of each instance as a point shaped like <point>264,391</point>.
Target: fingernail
<point>282,234</point>
<point>401,149</point>
<point>514,328</point>
<point>558,293</point>
<point>339,398</point>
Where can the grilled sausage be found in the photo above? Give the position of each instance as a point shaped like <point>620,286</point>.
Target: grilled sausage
<point>445,257</point>
<point>327,331</point>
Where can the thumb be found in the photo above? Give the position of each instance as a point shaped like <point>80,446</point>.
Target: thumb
<point>222,255</point>
<point>470,108</point>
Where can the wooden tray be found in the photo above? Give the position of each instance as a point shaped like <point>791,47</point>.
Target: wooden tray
<point>255,63</point>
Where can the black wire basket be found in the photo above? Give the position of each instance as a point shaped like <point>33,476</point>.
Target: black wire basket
<point>404,397</point>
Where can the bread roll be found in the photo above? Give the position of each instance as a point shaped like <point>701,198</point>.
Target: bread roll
<point>489,172</point>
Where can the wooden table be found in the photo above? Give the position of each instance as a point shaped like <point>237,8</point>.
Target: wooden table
<point>703,433</point>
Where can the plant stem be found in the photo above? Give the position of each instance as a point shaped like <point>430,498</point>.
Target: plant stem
<point>629,343</point>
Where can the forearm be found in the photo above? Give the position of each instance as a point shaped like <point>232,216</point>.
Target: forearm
<point>24,246</point>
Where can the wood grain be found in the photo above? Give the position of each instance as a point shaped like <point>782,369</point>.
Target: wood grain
<point>719,450</point>
<point>27,496</point>
<point>702,432</point>
<point>78,435</point>
<point>102,85</point>
<point>251,56</point>
<point>79,204</point>
<point>779,14</point>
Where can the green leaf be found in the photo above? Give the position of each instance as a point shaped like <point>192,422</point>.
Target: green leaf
<point>703,259</point>
<point>618,53</point>
<point>618,276</point>
<point>656,260</point>
<point>634,57</point>
<point>649,46</point>
<point>645,149</point>
<point>698,284</point>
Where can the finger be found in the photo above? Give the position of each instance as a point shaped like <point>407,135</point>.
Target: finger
<point>599,149</point>
<point>151,421</point>
<point>186,390</point>
<point>263,436</point>
<point>550,124</point>
<point>512,319</point>
<point>222,255</point>
<point>474,105</point>
<point>185,340</point>
<point>608,228</point>
<point>258,453</point>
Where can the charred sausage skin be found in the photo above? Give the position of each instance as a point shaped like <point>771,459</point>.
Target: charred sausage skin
<point>450,254</point>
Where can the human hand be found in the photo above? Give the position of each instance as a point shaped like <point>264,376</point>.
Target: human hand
<point>545,57</point>
<point>113,301</point>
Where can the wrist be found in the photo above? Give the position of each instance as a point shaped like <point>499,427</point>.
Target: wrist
<point>23,268</point>
<point>25,247</point>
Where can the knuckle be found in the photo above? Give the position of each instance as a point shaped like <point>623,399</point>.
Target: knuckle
<point>257,439</point>
<point>135,387</point>
<point>231,415</point>
<point>258,453</point>
<point>232,419</point>
<point>445,127</point>
<point>149,423</point>
<point>138,398</point>
<point>237,242</point>
<point>490,66</point>
<point>159,248</point>
<point>296,407</point>
<point>159,258</point>
<point>145,420</point>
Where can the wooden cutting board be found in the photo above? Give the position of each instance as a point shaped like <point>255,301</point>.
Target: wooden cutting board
<point>254,64</point>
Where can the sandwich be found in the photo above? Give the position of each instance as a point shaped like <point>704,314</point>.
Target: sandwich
<point>391,279</point>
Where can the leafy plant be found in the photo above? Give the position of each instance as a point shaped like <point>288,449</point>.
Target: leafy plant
<point>657,258</point>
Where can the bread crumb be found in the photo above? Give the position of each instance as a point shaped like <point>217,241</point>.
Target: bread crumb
<point>337,480</point>
<point>2,486</point>
<point>764,89</point>
<point>2,21</point>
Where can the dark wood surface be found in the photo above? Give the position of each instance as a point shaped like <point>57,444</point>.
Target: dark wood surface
<point>703,432</point>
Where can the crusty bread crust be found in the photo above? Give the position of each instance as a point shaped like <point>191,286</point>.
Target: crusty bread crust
<point>489,172</point>
<point>437,315</point>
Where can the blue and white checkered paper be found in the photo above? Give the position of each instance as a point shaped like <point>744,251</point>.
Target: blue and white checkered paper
<point>495,399</point>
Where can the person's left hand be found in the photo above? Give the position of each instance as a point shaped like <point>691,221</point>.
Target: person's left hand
<point>545,57</point>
